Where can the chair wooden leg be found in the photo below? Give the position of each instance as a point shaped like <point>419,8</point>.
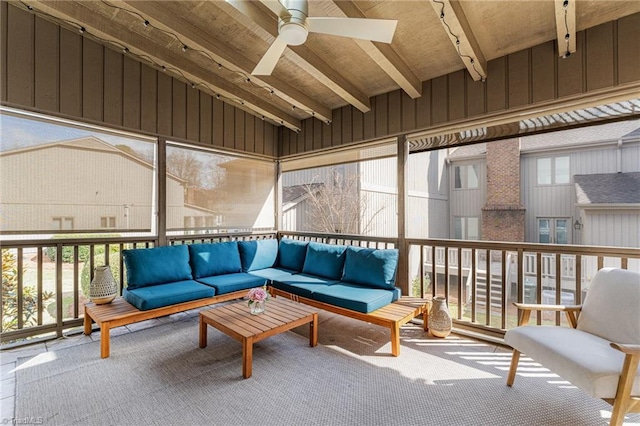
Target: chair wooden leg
<point>623,400</point>
<point>515,358</point>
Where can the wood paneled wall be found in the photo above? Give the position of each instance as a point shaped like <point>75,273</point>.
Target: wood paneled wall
<point>54,70</point>
<point>607,56</point>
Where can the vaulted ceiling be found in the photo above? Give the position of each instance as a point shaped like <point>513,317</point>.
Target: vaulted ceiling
<point>215,45</point>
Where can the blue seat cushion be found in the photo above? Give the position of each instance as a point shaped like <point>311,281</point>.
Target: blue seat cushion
<point>159,265</point>
<point>324,260</point>
<point>157,296</point>
<point>356,297</point>
<point>233,282</point>
<point>258,254</point>
<point>302,284</point>
<point>371,267</point>
<point>272,274</point>
<point>214,259</point>
<point>291,254</point>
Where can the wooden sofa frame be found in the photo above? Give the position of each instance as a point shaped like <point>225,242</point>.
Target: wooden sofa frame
<point>120,312</point>
<point>391,316</point>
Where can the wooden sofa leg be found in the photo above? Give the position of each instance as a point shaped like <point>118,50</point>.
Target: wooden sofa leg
<point>515,358</point>
<point>395,339</point>
<point>623,399</point>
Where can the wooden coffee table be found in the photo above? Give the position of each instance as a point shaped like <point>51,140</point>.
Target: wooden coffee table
<point>235,321</point>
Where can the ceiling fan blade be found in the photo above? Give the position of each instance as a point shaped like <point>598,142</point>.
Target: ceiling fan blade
<point>381,30</point>
<point>270,58</point>
<point>276,7</point>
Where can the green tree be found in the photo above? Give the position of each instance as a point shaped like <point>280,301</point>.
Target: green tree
<point>10,296</point>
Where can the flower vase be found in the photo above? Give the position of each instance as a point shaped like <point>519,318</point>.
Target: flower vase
<point>439,317</point>
<point>103,288</point>
<point>257,307</point>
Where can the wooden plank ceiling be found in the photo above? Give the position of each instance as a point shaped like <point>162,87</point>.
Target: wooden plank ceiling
<point>215,45</point>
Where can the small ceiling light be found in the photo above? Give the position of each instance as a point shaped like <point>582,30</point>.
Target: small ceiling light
<point>125,50</point>
<point>145,23</point>
<point>193,85</point>
<point>566,55</point>
<point>29,7</point>
<point>164,68</point>
<point>565,4</point>
<point>293,107</point>
<point>262,118</point>
<point>184,47</point>
<point>217,95</point>
<point>82,30</point>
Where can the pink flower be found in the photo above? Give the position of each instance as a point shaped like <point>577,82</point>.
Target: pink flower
<point>258,294</point>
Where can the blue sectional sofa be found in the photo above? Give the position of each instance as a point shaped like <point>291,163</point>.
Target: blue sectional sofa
<point>355,278</point>
<point>352,281</point>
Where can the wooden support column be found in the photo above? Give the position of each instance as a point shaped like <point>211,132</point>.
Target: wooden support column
<point>403,260</point>
<point>161,195</point>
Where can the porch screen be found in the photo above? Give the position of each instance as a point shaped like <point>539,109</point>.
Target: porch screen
<point>63,177</point>
<point>211,192</point>
<point>342,191</point>
<point>380,149</point>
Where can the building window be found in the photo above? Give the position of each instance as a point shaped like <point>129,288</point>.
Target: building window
<point>553,171</point>
<point>62,223</point>
<point>108,222</point>
<point>466,228</point>
<point>466,176</point>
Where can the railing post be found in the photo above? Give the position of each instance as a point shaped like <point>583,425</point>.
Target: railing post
<point>403,258</point>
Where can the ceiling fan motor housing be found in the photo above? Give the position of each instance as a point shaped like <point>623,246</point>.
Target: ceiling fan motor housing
<point>293,28</point>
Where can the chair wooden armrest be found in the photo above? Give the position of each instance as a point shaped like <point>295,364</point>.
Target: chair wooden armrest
<point>569,310</point>
<point>627,349</point>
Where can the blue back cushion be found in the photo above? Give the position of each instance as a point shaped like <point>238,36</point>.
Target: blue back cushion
<point>291,254</point>
<point>371,267</point>
<point>157,265</point>
<point>324,260</point>
<point>214,259</point>
<point>258,254</point>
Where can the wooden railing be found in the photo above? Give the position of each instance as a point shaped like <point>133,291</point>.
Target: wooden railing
<point>45,282</point>
<point>480,289</point>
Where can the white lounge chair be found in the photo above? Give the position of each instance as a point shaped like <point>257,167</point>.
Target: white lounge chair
<point>599,353</point>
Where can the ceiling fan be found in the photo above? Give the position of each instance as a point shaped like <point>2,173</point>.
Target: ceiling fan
<point>294,25</point>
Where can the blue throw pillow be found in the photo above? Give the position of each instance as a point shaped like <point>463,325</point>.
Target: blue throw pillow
<point>324,260</point>
<point>214,259</point>
<point>258,254</point>
<point>291,254</point>
<point>371,267</point>
<point>157,265</point>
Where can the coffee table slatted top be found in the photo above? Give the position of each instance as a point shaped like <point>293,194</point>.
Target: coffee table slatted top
<point>235,318</point>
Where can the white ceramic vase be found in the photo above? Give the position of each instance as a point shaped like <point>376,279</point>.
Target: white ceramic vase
<point>103,288</point>
<point>439,317</point>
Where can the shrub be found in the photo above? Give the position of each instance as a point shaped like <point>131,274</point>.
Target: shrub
<point>415,285</point>
<point>83,250</point>
<point>10,296</point>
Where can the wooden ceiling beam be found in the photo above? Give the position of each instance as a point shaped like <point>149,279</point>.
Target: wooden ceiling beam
<point>566,26</point>
<point>384,55</point>
<point>309,61</point>
<point>457,27</point>
<point>230,59</point>
<point>141,46</point>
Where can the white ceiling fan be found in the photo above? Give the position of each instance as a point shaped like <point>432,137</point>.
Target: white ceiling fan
<point>294,25</point>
